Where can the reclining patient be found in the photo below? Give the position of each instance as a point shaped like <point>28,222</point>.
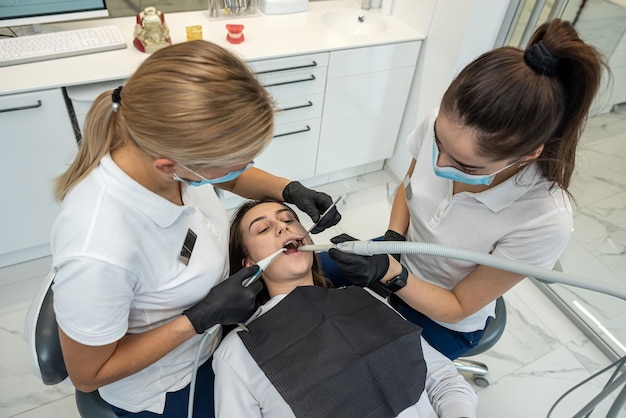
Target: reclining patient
<point>312,351</point>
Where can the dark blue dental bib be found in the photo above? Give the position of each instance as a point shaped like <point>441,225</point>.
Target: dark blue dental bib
<point>338,353</point>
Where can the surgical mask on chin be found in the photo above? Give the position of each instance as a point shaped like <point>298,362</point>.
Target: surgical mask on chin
<point>454,174</point>
<point>226,178</point>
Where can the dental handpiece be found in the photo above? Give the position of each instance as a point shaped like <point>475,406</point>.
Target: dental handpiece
<point>263,264</point>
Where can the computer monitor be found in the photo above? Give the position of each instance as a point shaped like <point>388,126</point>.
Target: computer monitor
<point>36,12</point>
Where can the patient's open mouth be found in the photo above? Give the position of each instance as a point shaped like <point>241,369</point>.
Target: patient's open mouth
<point>292,245</point>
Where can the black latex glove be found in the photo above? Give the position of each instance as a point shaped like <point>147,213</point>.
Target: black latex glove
<point>391,235</point>
<point>227,303</point>
<point>361,270</point>
<point>313,204</point>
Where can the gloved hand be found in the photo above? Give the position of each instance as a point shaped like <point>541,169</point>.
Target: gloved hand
<point>361,270</point>
<point>391,235</point>
<point>227,303</point>
<point>313,204</point>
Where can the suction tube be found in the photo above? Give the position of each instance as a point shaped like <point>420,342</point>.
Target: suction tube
<point>403,247</point>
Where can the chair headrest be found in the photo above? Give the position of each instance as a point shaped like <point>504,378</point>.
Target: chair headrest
<point>41,332</point>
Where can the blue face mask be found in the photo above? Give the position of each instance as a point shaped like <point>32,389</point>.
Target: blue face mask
<point>455,174</point>
<point>226,178</point>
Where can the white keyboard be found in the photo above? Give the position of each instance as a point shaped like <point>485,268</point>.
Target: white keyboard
<point>66,43</point>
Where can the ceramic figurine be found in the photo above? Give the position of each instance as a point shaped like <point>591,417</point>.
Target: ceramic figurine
<point>151,32</point>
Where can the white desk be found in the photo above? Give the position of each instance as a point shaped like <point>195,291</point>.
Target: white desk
<point>267,36</point>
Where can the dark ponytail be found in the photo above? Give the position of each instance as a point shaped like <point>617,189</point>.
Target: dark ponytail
<point>517,103</point>
<point>579,72</point>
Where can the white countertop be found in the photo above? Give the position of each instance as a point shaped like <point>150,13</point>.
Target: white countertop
<point>266,36</point>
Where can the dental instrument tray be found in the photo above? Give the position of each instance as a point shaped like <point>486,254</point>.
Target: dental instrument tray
<point>276,7</point>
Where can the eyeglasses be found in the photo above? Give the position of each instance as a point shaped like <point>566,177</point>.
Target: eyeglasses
<point>225,178</point>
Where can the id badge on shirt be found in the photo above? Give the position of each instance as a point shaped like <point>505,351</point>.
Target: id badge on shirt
<point>407,187</point>
<point>187,249</point>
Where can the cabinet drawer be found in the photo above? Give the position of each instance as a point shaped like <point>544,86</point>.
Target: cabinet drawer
<point>279,65</point>
<point>300,108</point>
<point>377,58</point>
<point>292,152</point>
<point>296,83</point>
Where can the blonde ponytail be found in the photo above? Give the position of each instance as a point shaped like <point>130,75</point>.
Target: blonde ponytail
<point>98,139</point>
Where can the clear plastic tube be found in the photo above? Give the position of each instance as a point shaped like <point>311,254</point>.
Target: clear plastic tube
<point>196,365</point>
<point>403,247</point>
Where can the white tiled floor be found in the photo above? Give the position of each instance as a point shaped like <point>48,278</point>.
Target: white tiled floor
<point>540,356</point>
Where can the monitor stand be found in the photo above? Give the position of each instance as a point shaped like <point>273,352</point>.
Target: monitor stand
<point>35,29</point>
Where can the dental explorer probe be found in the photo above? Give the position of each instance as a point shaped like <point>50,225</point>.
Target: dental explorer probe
<point>263,264</point>
<point>404,247</point>
<point>326,212</point>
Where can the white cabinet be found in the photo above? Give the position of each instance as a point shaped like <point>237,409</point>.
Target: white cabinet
<point>37,144</point>
<point>334,110</point>
<point>297,85</point>
<point>366,93</point>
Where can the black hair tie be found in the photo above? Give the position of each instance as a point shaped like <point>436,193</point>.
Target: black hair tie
<point>541,60</point>
<point>116,97</point>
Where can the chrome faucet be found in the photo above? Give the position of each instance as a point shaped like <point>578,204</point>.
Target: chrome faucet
<point>365,4</point>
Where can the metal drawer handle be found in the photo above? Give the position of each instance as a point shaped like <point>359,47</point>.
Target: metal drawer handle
<point>313,64</point>
<point>290,82</point>
<point>15,109</point>
<point>307,129</point>
<point>284,109</point>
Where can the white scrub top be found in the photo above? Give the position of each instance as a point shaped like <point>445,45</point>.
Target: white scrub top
<point>521,219</point>
<point>115,250</point>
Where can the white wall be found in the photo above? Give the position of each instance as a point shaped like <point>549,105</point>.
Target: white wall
<point>458,32</point>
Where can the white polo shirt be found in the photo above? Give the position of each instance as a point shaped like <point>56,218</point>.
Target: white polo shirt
<point>115,250</point>
<point>519,219</point>
<point>242,390</point>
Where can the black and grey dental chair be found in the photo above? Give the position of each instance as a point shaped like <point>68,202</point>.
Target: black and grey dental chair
<point>41,331</point>
<point>492,334</point>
